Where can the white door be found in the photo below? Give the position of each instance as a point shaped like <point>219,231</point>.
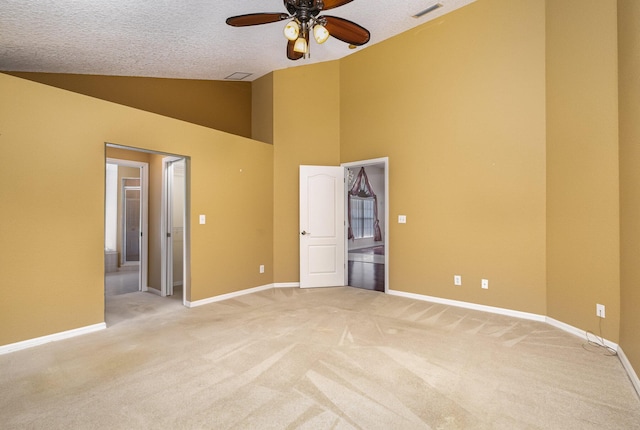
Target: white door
<point>172,220</point>
<point>322,228</point>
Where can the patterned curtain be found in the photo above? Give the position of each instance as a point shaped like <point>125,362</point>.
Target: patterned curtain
<point>362,188</point>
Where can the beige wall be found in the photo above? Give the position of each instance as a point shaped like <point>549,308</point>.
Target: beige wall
<point>222,105</point>
<point>125,154</point>
<point>262,109</point>
<point>306,130</point>
<point>50,138</point>
<point>583,261</point>
<point>629,103</point>
<point>458,107</point>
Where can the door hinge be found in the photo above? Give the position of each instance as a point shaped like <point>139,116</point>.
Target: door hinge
<point>168,234</point>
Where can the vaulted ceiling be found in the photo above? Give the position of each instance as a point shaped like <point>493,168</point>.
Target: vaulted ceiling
<point>178,38</point>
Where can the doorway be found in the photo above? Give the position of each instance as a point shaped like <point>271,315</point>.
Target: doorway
<point>162,235</point>
<point>367,220</point>
<point>126,225</point>
<point>329,252</point>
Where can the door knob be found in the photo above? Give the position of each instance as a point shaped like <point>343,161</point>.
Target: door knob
<point>304,233</point>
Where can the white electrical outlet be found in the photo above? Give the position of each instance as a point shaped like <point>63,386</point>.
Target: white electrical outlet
<point>402,219</point>
<point>457,280</point>
<point>600,310</point>
<point>485,284</point>
<point>262,268</point>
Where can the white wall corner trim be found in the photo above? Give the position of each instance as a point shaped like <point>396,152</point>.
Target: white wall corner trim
<point>630,371</point>
<point>228,296</point>
<point>467,305</point>
<point>12,347</point>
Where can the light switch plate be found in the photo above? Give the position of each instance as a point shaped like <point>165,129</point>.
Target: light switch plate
<point>203,219</point>
<point>402,219</point>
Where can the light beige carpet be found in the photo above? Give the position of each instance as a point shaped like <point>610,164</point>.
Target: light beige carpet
<point>336,358</point>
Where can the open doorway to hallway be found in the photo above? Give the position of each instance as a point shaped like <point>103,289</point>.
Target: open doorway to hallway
<point>367,213</point>
<point>125,224</point>
<point>146,240</point>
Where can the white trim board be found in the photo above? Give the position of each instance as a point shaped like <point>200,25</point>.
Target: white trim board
<point>228,296</point>
<point>576,331</point>
<point>287,285</point>
<point>467,305</point>
<point>241,293</point>
<point>17,346</point>
<point>633,376</point>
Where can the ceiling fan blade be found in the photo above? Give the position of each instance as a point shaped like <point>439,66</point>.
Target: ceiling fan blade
<point>347,31</point>
<point>255,19</point>
<point>330,4</point>
<point>291,54</point>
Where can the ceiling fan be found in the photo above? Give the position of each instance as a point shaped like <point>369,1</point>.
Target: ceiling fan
<point>304,17</point>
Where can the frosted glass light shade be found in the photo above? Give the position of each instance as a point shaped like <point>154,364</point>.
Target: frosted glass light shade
<point>292,30</point>
<point>320,33</point>
<point>300,45</point>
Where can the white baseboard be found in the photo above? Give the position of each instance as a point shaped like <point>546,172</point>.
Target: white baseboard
<point>228,296</point>
<point>287,285</point>
<point>467,305</point>
<point>154,291</point>
<point>633,376</point>
<point>12,347</point>
<point>576,331</point>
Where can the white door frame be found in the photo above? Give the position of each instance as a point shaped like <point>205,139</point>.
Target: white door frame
<point>144,216</point>
<point>365,163</point>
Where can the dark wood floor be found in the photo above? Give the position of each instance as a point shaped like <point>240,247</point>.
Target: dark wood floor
<point>369,276</point>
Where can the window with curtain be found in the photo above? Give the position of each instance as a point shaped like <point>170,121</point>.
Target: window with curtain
<point>362,216</point>
<point>363,209</point>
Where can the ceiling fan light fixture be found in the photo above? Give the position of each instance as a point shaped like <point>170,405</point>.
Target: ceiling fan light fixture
<point>320,33</point>
<point>304,21</point>
<point>292,30</point>
<point>301,46</point>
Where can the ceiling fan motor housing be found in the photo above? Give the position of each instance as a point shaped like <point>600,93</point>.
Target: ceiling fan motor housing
<point>303,10</point>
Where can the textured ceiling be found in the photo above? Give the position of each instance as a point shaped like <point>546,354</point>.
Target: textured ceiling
<point>177,38</point>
